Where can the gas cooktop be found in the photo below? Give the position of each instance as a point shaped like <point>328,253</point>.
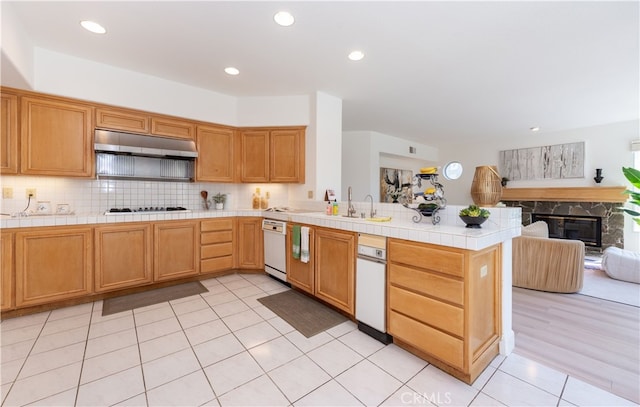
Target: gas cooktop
<point>152,209</point>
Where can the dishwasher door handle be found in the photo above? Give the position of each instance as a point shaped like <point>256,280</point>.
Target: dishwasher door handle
<point>373,259</point>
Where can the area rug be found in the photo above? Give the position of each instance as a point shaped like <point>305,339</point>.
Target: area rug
<point>151,297</point>
<point>306,315</point>
<point>597,284</point>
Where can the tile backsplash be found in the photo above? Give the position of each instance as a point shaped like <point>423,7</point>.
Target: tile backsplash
<point>96,196</point>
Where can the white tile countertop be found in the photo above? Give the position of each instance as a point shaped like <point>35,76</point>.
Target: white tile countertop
<point>503,224</point>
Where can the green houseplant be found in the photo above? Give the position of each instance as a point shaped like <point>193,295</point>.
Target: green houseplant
<point>474,216</point>
<point>219,199</point>
<point>633,176</point>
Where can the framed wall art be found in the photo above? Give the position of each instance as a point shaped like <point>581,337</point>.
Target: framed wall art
<point>395,185</point>
<point>545,162</point>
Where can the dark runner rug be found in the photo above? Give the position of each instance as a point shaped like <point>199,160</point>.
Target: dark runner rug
<point>306,315</point>
<point>146,298</point>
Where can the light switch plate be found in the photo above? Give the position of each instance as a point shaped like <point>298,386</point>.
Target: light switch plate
<point>483,271</point>
<point>7,193</point>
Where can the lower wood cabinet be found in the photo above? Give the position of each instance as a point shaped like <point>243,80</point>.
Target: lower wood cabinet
<point>7,292</point>
<point>176,249</point>
<point>123,256</point>
<point>53,264</point>
<point>250,243</point>
<point>335,264</point>
<point>302,275</point>
<point>216,245</point>
<point>444,304</point>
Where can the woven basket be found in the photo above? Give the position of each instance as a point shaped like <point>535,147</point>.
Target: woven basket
<point>486,189</point>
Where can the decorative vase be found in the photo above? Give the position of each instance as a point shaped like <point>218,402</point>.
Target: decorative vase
<point>219,205</point>
<point>598,178</point>
<point>486,188</point>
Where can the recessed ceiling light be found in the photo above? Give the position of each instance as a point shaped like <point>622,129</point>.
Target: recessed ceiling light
<point>356,55</point>
<point>93,27</point>
<point>284,18</point>
<point>534,129</point>
<point>231,70</point>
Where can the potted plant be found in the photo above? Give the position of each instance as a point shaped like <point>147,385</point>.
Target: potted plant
<point>219,199</point>
<point>474,216</point>
<point>633,176</point>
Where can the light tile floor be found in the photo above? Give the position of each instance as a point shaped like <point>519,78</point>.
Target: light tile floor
<point>224,348</point>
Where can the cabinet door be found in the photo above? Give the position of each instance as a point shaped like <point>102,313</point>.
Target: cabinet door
<point>56,138</point>
<point>122,256</point>
<point>120,119</point>
<point>335,268</point>
<point>299,274</point>
<point>7,292</point>
<point>215,154</point>
<point>255,156</point>
<point>176,250</point>
<point>174,128</point>
<point>53,264</point>
<point>286,156</point>
<point>9,134</point>
<point>250,243</point>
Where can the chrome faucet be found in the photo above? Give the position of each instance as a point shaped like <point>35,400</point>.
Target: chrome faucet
<point>372,213</point>
<point>351,210</point>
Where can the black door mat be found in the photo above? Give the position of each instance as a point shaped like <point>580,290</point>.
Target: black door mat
<point>146,298</point>
<point>306,315</point>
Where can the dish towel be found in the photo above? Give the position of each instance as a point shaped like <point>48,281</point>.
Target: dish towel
<point>304,244</point>
<point>296,241</point>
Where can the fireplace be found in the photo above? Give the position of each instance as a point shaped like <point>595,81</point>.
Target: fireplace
<point>585,228</point>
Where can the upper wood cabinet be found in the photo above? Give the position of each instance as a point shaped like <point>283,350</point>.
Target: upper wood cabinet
<point>144,123</point>
<point>215,160</point>
<point>123,256</point>
<point>9,134</point>
<point>56,137</point>
<point>121,119</point>
<point>272,155</point>
<point>53,264</point>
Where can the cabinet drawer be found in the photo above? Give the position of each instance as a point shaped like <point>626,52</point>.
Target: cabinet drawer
<point>216,225</point>
<point>216,250</point>
<point>433,285</point>
<point>216,237</point>
<point>427,257</point>
<point>432,312</point>
<point>429,340</point>
<point>216,264</point>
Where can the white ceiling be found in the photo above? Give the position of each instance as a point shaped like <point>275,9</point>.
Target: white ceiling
<point>433,71</point>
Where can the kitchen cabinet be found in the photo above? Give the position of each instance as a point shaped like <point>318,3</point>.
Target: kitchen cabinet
<point>299,274</point>
<point>123,120</point>
<point>216,245</point>
<point>135,121</point>
<point>250,243</point>
<point>56,137</point>
<point>444,303</point>
<point>53,264</point>
<point>215,162</point>
<point>123,256</point>
<point>272,155</point>
<point>9,134</point>
<point>335,260</point>
<point>176,251</point>
<point>7,300</point>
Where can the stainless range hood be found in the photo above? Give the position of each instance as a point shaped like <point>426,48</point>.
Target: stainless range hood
<point>139,157</point>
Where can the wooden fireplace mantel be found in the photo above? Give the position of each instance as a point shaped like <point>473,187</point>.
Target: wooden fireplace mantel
<point>570,194</point>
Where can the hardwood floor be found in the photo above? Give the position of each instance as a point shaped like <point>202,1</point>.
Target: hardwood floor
<point>595,340</point>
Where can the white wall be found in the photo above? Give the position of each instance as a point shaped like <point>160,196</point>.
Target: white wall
<point>606,147</point>
<point>274,111</point>
<point>365,152</point>
<point>16,51</point>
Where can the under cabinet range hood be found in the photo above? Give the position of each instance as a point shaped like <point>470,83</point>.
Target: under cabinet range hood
<point>134,156</point>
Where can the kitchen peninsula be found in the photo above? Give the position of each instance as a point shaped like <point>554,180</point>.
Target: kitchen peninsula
<point>448,289</point>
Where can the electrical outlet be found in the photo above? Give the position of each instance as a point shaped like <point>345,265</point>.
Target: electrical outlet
<point>310,194</point>
<point>31,192</point>
<point>7,193</point>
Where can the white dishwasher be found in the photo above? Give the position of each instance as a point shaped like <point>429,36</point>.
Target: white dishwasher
<point>371,281</point>
<point>275,249</point>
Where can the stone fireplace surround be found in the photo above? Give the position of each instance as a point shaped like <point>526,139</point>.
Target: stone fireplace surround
<point>612,218</point>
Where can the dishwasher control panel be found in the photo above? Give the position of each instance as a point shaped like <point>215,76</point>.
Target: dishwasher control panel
<point>372,246</point>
